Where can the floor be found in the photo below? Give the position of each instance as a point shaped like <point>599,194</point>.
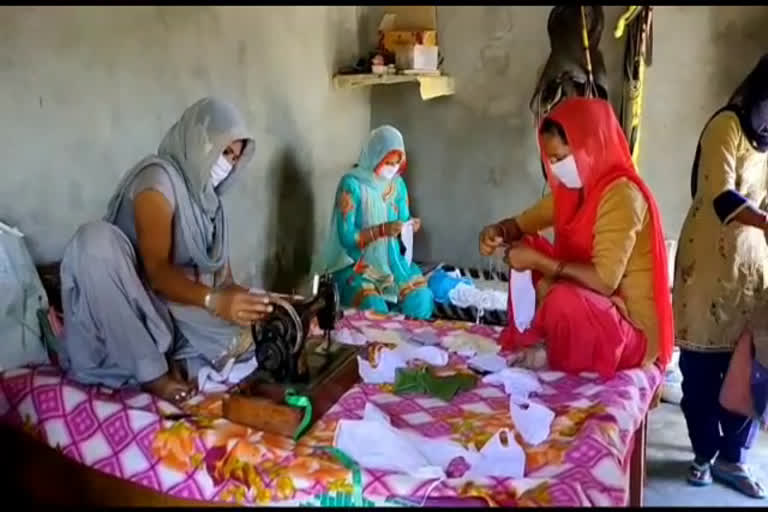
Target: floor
<point>668,456</point>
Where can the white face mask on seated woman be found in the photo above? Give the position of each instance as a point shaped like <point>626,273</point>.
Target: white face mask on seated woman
<point>567,172</point>
<point>388,171</point>
<point>220,171</point>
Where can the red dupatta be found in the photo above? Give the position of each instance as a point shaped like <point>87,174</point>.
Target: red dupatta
<point>602,156</point>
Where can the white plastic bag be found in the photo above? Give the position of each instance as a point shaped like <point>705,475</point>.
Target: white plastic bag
<point>21,297</point>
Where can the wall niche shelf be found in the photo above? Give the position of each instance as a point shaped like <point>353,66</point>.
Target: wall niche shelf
<point>430,86</point>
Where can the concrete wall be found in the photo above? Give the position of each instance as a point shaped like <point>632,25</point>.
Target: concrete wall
<point>473,156</point>
<point>88,91</point>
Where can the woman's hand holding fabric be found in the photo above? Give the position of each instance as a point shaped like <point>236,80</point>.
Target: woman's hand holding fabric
<point>491,238</point>
<point>392,228</point>
<point>416,224</point>
<point>240,307</point>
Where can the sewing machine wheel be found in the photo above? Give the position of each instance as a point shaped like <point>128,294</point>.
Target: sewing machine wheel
<point>280,340</point>
<point>331,312</point>
<point>272,355</point>
<point>276,341</point>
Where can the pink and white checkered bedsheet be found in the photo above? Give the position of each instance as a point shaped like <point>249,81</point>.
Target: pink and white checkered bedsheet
<point>584,462</point>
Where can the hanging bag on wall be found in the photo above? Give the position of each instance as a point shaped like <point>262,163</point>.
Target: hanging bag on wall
<point>21,297</point>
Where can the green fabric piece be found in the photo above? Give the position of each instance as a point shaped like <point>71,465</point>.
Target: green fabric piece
<point>300,402</point>
<point>422,380</point>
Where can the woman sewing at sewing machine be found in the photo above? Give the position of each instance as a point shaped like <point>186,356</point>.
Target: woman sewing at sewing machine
<point>148,294</point>
<point>603,295</point>
<point>363,250</point>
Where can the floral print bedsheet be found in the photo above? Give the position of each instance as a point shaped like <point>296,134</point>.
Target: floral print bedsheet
<point>585,461</point>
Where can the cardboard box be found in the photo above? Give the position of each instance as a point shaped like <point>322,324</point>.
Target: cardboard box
<point>417,57</point>
<point>408,26</point>
<point>393,40</point>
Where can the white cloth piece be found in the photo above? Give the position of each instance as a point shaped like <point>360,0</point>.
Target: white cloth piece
<point>429,354</point>
<point>385,370</point>
<point>242,370</point>
<point>211,381</point>
<point>347,336</point>
<point>523,298</point>
<point>517,382</point>
<point>374,444</point>
<point>406,235</point>
<point>487,363</point>
<point>389,361</point>
<point>532,419</point>
<point>498,459</point>
<point>464,295</point>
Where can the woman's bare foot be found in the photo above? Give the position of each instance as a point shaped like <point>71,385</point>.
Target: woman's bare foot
<point>168,388</point>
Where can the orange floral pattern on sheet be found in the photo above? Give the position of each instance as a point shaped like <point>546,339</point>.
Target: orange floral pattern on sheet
<point>175,446</point>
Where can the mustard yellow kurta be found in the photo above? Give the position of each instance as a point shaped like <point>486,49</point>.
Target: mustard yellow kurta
<point>721,267</point>
<point>621,251</point>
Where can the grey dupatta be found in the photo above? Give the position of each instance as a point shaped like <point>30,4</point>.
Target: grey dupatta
<point>187,154</point>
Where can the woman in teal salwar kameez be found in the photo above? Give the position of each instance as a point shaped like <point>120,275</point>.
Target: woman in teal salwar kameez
<point>363,251</point>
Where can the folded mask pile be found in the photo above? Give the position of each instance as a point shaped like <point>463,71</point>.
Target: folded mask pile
<point>464,295</point>
<point>462,292</point>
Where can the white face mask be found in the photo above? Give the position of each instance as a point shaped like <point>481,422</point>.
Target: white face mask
<point>388,171</point>
<point>567,173</point>
<point>220,171</point>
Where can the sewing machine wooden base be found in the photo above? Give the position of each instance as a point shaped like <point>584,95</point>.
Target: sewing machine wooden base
<point>332,372</point>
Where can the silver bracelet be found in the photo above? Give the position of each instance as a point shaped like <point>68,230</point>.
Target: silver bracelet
<point>210,301</point>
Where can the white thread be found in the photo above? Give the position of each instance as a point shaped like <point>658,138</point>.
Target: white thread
<point>431,488</point>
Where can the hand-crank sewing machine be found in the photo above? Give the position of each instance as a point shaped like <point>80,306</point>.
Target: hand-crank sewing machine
<point>293,362</point>
<point>281,340</point>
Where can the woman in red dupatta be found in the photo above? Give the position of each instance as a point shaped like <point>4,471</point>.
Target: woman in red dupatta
<point>603,300</point>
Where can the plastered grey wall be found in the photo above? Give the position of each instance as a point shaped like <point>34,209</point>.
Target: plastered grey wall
<point>88,91</point>
<point>473,157</point>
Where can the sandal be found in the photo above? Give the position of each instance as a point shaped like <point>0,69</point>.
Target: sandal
<point>699,474</point>
<point>738,477</point>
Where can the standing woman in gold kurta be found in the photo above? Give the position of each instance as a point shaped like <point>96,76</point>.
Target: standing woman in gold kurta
<point>720,276</point>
